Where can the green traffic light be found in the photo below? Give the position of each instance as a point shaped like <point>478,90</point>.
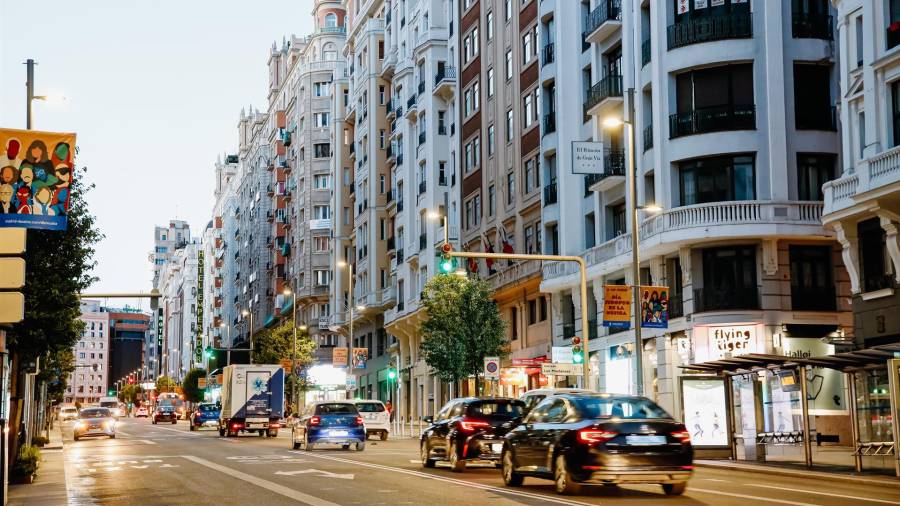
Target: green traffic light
<point>392,374</point>
<point>447,266</point>
<point>577,358</point>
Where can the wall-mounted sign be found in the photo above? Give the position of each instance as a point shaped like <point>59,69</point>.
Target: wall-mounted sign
<point>339,357</point>
<point>732,341</point>
<point>587,157</point>
<point>360,355</point>
<point>655,307</point>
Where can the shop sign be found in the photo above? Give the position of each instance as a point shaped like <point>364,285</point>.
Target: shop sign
<point>530,362</point>
<point>587,157</point>
<point>731,341</point>
<point>512,376</point>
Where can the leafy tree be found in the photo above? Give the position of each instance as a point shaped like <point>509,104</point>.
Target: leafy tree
<point>55,370</point>
<point>165,384</point>
<point>463,327</point>
<point>273,345</point>
<point>129,393</point>
<point>190,387</point>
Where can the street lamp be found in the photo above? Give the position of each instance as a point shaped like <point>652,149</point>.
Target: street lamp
<point>349,266</point>
<point>31,97</point>
<point>247,312</point>
<point>434,215</point>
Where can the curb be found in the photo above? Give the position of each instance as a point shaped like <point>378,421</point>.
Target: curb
<point>780,471</point>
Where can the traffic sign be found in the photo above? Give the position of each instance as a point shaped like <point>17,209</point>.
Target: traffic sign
<point>492,368</point>
<point>562,369</point>
<point>201,383</point>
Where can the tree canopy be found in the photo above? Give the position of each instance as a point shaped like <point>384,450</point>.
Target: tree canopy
<point>272,345</point>
<point>165,384</point>
<point>129,393</point>
<point>463,327</point>
<point>189,385</point>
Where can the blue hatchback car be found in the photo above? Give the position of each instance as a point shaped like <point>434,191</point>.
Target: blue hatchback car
<point>329,422</point>
<point>206,415</point>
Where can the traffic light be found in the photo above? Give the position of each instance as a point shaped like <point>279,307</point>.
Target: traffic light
<point>392,373</point>
<point>111,392</point>
<point>577,353</point>
<point>209,352</point>
<point>447,264</point>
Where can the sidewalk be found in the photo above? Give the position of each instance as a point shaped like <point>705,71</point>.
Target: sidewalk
<point>49,486</point>
<point>823,472</point>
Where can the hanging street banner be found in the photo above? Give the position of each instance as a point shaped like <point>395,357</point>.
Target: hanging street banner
<point>655,307</point>
<point>617,306</point>
<point>360,355</point>
<point>36,173</point>
<point>339,357</point>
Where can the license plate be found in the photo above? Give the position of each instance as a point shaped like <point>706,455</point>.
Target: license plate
<point>338,433</point>
<point>645,440</point>
<point>497,447</point>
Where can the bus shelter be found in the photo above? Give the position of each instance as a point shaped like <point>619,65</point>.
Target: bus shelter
<point>767,401</point>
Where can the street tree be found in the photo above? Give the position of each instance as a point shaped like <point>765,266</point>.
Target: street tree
<point>165,384</point>
<point>463,327</point>
<point>129,393</point>
<point>273,345</point>
<point>190,387</point>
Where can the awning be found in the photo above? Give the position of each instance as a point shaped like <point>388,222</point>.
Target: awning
<point>869,358</point>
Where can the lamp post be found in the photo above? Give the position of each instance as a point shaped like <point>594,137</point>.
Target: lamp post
<point>228,337</point>
<point>249,313</point>
<point>434,215</point>
<point>350,306</point>
<point>29,91</point>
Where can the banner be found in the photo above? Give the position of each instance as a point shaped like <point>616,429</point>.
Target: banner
<point>655,307</point>
<point>360,355</point>
<point>339,357</point>
<point>36,172</point>
<point>617,306</point>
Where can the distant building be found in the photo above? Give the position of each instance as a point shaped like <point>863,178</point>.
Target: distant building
<point>128,330</point>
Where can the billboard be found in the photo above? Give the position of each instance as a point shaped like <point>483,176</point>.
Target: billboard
<point>617,306</point>
<point>655,307</point>
<point>705,410</point>
<point>36,173</point>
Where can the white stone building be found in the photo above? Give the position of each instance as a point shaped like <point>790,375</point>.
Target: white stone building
<point>89,381</point>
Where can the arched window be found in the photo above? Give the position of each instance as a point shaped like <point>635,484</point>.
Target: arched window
<point>329,52</point>
<point>331,20</point>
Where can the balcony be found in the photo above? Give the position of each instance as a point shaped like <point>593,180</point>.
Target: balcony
<point>709,29</point>
<point>391,246</point>
<point>877,282</point>
<point>872,180</point>
<point>676,305</point>
<point>812,26</point>
<point>399,158</point>
<point>399,255</point>
<point>712,119</point>
<point>399,206</point>
<point>399,111</point>
<point>547,54</point>
<point>389,108</point>
<point>549,123</point>
<point>610,87</point>
<point>817,119</point>
<point>423,241</point>
<point>568,330</point>
<point>645,52</point>
<point>648,137</point>
<point>389,196</point>
<point>723,299</point>
<point>444,82</point>
<point>411,102</point>
<point>813,298</point>
<point>602,21</point>
<point>422,187</point>
<point>550,194</point>
<point>388,296</point>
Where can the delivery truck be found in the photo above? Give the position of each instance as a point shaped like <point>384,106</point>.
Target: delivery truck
<point>252,399</point>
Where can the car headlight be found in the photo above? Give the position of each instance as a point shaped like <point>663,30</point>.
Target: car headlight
<point>80,425</point>
<point>109,424</point>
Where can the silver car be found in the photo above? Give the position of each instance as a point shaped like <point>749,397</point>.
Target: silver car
<point>95,422</point>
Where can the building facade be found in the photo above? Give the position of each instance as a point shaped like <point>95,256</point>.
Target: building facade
<point>128,330</point>
<point>89,381</point>
<point>179,304</point>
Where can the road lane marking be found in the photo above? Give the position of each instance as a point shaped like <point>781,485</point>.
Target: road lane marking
<point>744,496</point>
<point>259,482</point>
<point>322,474</point>
<point>146,441</point>
<point>821,493</point>
<point>715,480</point>
<point>183,433</point>
<point>469,484</point>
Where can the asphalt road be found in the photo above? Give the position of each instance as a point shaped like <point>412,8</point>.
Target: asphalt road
<point>167,464</point>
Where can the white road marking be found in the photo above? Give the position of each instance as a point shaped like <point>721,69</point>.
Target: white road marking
<point>145,441</point>
<point>322,474</point>
<point>140,467</point>
<point>169,465</point>
<point>691,490</point>
<point>469,484</point>
<point>183,433</point>
<point>259,482</point>
<point>715,479</point>
<point>821,493</point>
<point>414,461</point>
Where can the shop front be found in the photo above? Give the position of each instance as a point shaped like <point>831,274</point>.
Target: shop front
<point>521,375</point>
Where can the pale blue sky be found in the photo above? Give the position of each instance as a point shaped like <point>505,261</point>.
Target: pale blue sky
<point>154,90</point>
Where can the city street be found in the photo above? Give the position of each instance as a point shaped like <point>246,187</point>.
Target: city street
<point>168,464</point>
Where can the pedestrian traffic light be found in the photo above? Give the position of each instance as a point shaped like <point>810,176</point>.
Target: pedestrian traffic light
<point>446,264</point>
<point>577,353</point>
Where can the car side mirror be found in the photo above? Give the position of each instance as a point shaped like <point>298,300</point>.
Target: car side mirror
<point>428,419</point>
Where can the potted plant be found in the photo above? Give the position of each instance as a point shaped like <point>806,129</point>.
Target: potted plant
<point>26,465</point>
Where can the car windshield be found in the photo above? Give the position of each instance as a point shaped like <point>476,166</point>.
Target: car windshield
<point>69,410</point>
<point>208,407</point>
<point>336,409</point>
<point>509,409</point>
<point>533,400</point>
<point>370,407</point>
<point>95,413</point>
<point>109,404</point>
<point>620,407</point>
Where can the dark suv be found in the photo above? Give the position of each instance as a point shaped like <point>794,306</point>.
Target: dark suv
<point>469,429</point>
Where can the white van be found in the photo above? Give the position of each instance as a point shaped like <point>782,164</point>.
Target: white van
<point>111,403</point>
<point>375,417</point>
<point>68,412</point>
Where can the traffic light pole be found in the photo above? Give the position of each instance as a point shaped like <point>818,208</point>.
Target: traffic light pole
<point>582,267</point>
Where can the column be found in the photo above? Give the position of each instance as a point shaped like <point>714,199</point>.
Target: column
<point>889,224</point>
<point>850,253</point>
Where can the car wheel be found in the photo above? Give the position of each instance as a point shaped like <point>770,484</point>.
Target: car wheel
<point>221,432</point>
<point>77,438</point>
<point>384,436</point>
<point>193,427</point>
<point>562,478</point>
<point>295,444</point>
<point>345,447</point>
<point>510,477</point>
<point>457,465</point>
<point>261,433</point>
<point>154,421</point>
<point>174,422</point>
<point>424,452</point>
<point>674,488</point>
<point>306,444</point>
<point>360,446</point>
<point>112,436</point>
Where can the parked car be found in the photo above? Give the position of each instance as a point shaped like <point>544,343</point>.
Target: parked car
<point>532,398</point>
<point>375,417</point>
<point>165,413</point>
<point>206,415</point>
<point>141,412</point>
<point>467,429</point>
<point>68,413</point>
<point>334,422</point>
<point>95,422</point>
<point>599,439</point>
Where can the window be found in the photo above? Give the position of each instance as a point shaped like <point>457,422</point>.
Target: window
<point>811,285</point>
<point>475,41</point>
<point>321,181</point>
<point>714,99</point>
<point>489,20</point>
<point>509,64</point>
<point>321,212</point>
<point>323,277</point>
<point>528,176</point>
<point>812,97</point>
<point>514,324</point>
<point>617,220</point>
<point>813,170</point>
<point>321,244</point>
<point>490,140</point>
<point>381,139</point>
<point>381,95</point>
<point>330,20</point>
<point>320,89</point>
<point>729,279</point>
<point>492,195</point>
<point>895,106</point>
<point>589,233</point>
<point>529,239</point>
<point>490,79</point>
<point>509,125</point>
<point>320,119</point>
<point>530,109</point>
<point>717,179</point>
<point>893,30</point>
<point>875,263</point>
<point>510,188</point>
<point>322,150</point>
<point>507,9</point>
<point>529,45</point>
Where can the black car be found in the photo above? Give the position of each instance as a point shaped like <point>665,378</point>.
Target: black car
<point>164,414</point>
<point>469,429</point>
<point>599,439</point>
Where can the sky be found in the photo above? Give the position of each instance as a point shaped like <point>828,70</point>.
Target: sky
<point>154,90</point>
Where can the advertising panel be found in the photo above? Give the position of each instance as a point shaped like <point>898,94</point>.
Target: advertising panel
<point>825,387</point>
<point>36,172</point>
<point>617,306</point>
<point>339,357</point>
<point>360,355</point>
<point>705,410</point>
<point>655,307</point>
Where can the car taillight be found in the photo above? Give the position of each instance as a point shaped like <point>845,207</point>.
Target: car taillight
<point>591,436</point>
<point>472,425</point>
<point>274,425</point>
<point>236,426</point>
<point>315,420</point>
<point>359,420</point>
<point>682,435</point>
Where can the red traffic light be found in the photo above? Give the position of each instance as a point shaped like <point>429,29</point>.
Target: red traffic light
<point>446,247</point>
<point>576,340</point>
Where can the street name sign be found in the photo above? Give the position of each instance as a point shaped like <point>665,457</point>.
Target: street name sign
<point>552,369</point>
